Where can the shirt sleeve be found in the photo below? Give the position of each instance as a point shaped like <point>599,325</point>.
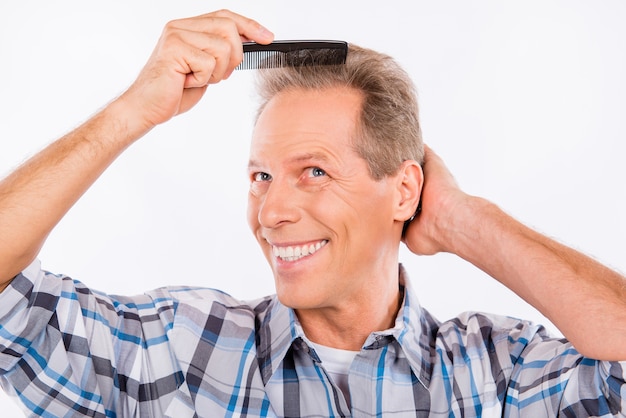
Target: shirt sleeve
<point>64,348</point>
<point>550,378</point>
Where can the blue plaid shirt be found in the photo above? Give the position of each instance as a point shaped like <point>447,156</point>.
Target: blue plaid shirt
<point>66,350</point>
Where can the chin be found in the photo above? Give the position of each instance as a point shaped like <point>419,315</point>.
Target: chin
<point>298,298</point>
<point>300,285</point>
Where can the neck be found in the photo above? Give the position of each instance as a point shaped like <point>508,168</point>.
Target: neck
<point>347,326</point>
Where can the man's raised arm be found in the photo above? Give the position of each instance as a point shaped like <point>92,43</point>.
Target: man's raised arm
<point>190,54</point>
<point>583,298</point>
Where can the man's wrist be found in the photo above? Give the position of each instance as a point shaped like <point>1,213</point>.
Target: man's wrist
<point>467,219</point>
<point>125,120</point>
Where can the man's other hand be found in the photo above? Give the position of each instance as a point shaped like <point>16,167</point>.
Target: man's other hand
<point>429,232</point>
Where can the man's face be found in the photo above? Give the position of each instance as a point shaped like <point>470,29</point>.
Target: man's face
<point>326,227</point>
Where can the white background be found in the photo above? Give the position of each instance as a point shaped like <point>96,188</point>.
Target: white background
<point>524,100</point>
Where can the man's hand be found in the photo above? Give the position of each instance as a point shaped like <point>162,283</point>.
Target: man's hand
<point>428,233</point>
<point>191,54</point>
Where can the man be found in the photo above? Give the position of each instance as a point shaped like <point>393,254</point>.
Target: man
<point>335,172</point>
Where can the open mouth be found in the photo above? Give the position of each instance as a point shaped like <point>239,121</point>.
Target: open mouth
<point>296,252</point>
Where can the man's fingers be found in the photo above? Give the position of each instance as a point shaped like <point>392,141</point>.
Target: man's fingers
<point>208,52</point>
<point>218,34</point>
<point>201,71</point>
<point>248,28</point>
<point>204,58</point>
<point>229,25</point>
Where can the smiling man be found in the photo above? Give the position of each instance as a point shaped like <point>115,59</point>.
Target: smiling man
<point>310,188</point>
<point>335,173</point>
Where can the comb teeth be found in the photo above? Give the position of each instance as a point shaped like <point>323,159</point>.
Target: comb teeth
<point>292,54</point>
<point>254,60</point>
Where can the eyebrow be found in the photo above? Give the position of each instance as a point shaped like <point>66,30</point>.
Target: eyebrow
<point>308,156</point>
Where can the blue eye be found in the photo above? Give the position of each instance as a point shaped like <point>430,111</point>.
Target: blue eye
<point>261,176</point>
<point>316,172</point>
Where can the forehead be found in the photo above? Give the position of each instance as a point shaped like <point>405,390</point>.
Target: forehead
<point>320,123</point>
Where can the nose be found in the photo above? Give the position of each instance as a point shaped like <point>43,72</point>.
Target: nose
<point>278,205</point>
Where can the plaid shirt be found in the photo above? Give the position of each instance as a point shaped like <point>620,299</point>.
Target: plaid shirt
<point>66,350</point>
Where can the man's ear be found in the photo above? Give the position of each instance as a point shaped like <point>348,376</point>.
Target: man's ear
<point>410,179</point>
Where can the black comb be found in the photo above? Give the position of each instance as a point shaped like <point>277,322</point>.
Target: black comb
<point>292,54</point>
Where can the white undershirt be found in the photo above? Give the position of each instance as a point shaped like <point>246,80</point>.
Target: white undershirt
<point>337,363</point>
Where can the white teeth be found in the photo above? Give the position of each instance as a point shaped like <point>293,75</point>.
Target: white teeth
<point>293,253</point>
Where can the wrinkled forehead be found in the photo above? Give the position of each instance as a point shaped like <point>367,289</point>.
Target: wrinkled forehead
<point>308,118</point>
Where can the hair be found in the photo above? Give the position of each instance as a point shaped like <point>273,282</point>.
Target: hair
<point>388,132</point>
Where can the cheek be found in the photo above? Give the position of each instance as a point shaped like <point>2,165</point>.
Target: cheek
<point>342,213</point>
<point>375,212</point>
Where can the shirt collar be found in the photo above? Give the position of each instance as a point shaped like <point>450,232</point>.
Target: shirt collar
<point>414,330</point>
<point>277,331</point>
